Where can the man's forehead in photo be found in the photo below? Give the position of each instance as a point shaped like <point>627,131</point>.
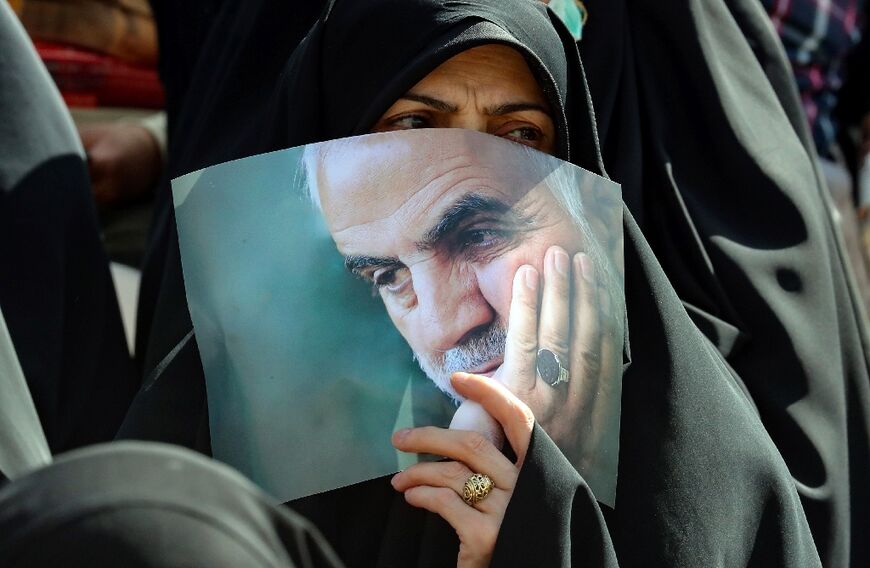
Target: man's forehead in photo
<point>389,198</point>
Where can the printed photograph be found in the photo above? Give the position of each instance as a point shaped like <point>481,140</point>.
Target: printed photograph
<point>335,288</point>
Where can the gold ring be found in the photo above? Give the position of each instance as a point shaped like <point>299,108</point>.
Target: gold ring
<point>476,488</point>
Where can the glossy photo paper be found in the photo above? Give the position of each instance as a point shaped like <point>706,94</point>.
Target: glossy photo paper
<point>335,287</point>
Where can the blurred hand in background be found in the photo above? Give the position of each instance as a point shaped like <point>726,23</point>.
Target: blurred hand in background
<point>124,161</point>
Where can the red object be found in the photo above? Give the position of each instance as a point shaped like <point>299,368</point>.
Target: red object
<point>89,79</point>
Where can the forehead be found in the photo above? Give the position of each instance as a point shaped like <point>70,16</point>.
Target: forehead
<point>391,184</point>
<point>496,70</point>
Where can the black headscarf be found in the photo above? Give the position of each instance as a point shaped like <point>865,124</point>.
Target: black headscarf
<point>701,123</point>
<point>700,480</point>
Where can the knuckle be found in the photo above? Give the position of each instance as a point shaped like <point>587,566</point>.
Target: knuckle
<point>441,495</point>
<point>592,362</point>
<point>529,302</point>
<point>475,442</point>
<point>415,434</point>
<point>555,342</point>
<point>455,470</point>
<point>523,413</point>
<point>489,536</point>
<point>560,289</point>
<point>414,494</point>
<point>526,343</point>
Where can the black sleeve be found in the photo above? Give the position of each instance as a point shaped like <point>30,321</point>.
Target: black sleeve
<point>553,518</point>
<point>700,480</point>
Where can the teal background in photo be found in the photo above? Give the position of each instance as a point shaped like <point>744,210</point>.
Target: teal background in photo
<point>305,372</point>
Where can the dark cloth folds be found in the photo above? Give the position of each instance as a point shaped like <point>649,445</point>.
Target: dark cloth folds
<point>702,478</point>
<point>55,287</point>
<point>701,123</point>
<point>149,505</point>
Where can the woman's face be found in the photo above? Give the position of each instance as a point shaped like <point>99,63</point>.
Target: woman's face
<point>489,89</point>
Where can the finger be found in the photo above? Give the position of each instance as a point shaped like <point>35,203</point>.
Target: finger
<point>610,356</point>
<point>452,475</point>
<point>449,506</point>
<point>585,353</point>
<point>553,328</point>
<point>472,416</point>
<point>522,335</point>
<point>470,448</point>
<point>515,417</point>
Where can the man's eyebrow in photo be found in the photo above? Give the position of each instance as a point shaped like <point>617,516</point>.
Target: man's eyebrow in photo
<point>360,265</point>
<point>466,208</point>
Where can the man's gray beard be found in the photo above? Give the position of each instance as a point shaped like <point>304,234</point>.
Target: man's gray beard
<point>476,351</point>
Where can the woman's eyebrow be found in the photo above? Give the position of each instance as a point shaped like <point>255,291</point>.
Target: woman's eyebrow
<point>497,110</point>
<point>437,104</point>
<point>508,108</point>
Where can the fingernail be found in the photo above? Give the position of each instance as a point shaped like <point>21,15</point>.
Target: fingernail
<point>459,377</point>
<point>531,278</point>
<point>561,261</point>
<point>399,435</point>
<point>586,268</point>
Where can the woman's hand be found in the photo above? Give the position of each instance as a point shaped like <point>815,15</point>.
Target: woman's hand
<point>438,486</point>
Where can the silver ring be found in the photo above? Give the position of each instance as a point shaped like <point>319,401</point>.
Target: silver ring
<point>550,368</point>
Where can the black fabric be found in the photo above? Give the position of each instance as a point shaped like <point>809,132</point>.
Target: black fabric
<point>142,505</point>
<point>701,123</point>
<point>55,286</point>
<point>853,102</point>
<point>700,480</point>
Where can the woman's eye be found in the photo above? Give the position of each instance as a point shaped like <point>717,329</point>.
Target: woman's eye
<point>524,135</point>
<point>409,122</point>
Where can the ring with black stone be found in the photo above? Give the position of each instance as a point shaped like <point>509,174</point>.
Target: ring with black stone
<point>550,368</point>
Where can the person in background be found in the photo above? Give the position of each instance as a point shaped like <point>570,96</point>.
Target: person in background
<point>701,123</point>
<point>102,55</point>
<point>818,38</point>
<point>125,158</point>
<point>56,291</point>
<point>66,379</point>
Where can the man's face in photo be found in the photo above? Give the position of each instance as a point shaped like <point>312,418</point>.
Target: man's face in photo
<point>439,229</point>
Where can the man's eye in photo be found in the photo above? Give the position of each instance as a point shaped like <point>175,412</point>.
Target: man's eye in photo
<point>482,244</point>
<point>384,277</point>
<point>481,237</point>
